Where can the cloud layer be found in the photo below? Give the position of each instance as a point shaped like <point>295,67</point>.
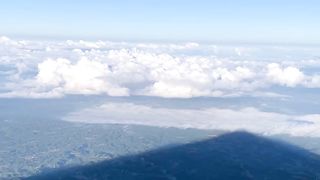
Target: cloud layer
<point>55,69</point>
<point>249,118</point>
<point>51,69</point>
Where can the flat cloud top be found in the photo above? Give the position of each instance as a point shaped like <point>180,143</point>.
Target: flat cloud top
<point>248,118</point>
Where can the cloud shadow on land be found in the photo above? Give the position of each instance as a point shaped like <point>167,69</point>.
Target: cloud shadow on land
<point>238,155</point>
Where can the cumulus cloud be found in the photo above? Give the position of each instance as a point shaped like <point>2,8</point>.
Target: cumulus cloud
<point>182,70</point>
<point>313,81</point>
<point>141,73</point>
<point>288,76</point>
<point>84,77</point>
<point>249,118</point>
<point>4,39</point>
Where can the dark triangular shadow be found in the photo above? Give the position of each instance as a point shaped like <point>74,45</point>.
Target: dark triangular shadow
<point>238,155</point>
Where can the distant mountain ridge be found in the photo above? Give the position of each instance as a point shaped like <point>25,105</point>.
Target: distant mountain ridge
<point>238,155</point>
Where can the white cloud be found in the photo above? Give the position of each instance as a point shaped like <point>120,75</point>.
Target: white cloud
<point>166,70</point>
<point>86,44</point>
<point>84,77</point>
<point>4,39</point>
<point>313,81</point>
<point>250,119</point>
<point>288,76</point>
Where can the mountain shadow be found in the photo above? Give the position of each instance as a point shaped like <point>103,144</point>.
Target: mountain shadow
<point>238,155</point>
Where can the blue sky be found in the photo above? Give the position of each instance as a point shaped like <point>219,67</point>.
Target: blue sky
<point>272,21</point>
